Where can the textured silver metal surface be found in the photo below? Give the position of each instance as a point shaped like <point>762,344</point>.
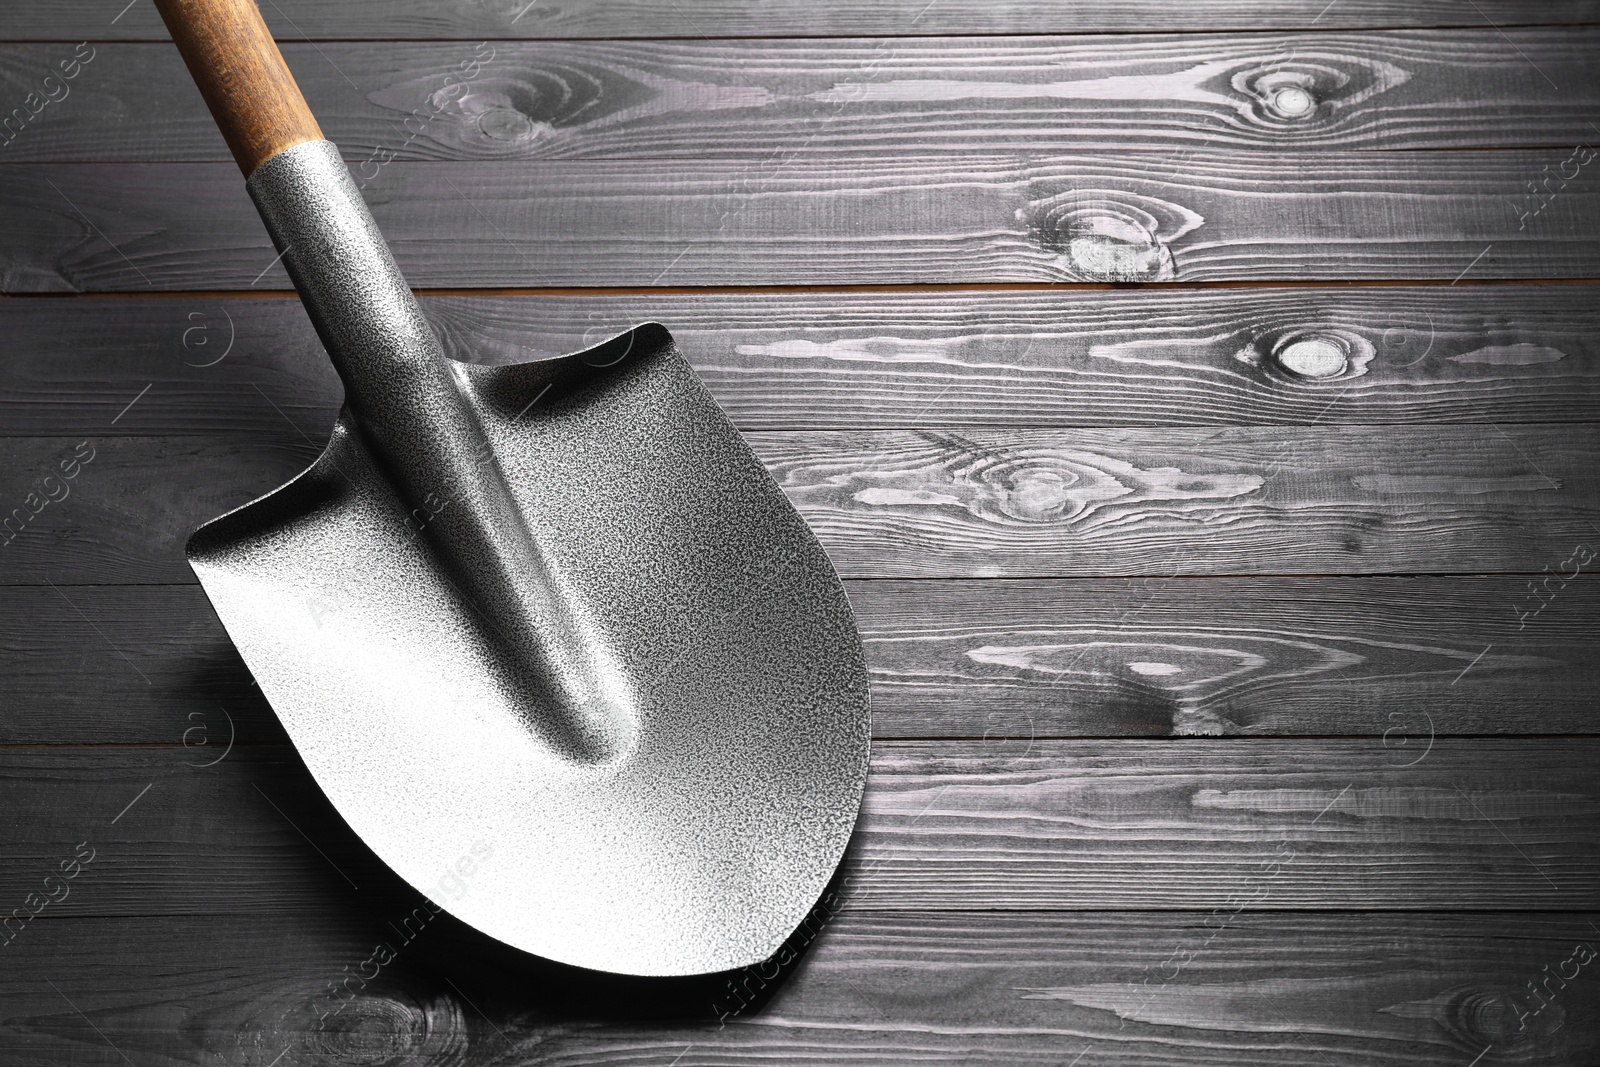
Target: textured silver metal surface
<point>547,633</point>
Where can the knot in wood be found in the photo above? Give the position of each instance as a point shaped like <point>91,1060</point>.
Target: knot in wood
<point>1114,247</point>
<point>1322,354</point>
<point>1313,356</point>
<point>1293,102</point>
<point>378,1030</point>
<point>1105,234</point>
<point>1300,90</point>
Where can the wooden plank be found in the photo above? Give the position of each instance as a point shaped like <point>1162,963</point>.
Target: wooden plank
<point>1122,989</point>
<point>1212,216</point>
<point>296,19</point>
<point>983,504</point>
<point>785,361</point>
<point>685,98</point>
<point>131,503</point>
<point>1243,500</point>
<point>954,825</point>
<point>1402,660</point>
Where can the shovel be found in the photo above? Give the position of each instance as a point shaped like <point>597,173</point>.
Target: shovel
<point>547,635</point>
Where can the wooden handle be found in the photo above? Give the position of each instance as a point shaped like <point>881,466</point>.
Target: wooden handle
<point>242,75</point>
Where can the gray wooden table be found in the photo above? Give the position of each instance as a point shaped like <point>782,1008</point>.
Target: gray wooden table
<point>1198,399</point>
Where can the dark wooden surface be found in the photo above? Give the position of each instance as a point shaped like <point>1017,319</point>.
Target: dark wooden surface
<point>1215,488</point>
<point>1205,215</point>
<point>294,19</point>
<point>966,504</point>
<point>1027,988</point>
<point>695,97</point>
<point>911,359</point>
<point>961,825</point>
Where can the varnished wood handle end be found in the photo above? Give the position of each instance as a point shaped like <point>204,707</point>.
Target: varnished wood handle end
<point>242,75</point>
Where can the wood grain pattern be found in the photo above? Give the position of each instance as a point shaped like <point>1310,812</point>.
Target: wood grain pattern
<point>874,989</point>
<point>1402,660</point>
<point>1213,216</point>
<point>129,508</point>
<point>1502,824</point>
<point>475,19</point>
<point>696,98</point>
<point>986,504</point>
<point>1228,501</point>
<point>242,77</point>
<point>785,361</point>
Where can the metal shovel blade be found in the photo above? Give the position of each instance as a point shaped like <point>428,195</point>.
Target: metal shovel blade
<point>694,836</point>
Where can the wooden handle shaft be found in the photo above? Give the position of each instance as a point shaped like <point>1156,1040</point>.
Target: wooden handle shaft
<point>242,76</point>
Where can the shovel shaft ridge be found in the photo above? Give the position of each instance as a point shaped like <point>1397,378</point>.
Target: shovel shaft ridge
<point>405,397</point>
